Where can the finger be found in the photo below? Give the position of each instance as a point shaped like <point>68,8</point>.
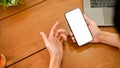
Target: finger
<point>71,34</point>
<point>73,39</point>
<point>61,40</point>
<point>59,37</point>
<point>54,28</point>
<point>64,37</point>
<point>88,20</point>
<point>44,37</point>
<point>63,31</point>
<point>57,34</point>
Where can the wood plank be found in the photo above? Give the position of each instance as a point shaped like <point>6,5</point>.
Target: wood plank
<point>88,56</point>
<point>14,10</point>
<point>38,60</point>
<point>91,56</point>
<point>20,32</point>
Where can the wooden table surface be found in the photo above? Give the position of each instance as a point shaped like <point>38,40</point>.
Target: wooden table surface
<point>23,46</point>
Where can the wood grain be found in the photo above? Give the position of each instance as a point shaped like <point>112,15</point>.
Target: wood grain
<point>20,32</point>
<point>38,60</point>
<point>23,46</point>
<point>14,10</point>
<point>88,56</point>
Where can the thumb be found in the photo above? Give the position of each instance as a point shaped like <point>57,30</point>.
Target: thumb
<point>88,20</point>
<point>44,37</point>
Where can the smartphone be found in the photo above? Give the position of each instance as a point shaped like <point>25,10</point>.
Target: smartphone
<point>78,26</point>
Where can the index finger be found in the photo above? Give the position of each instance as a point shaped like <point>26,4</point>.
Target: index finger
<point>54,28</point>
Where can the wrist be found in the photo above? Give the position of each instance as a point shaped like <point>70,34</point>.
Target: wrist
<point>56,59</point>
<point>55,62</point>
<point>110,39</point>
<point>56,56</point>
<point>98,38</point>
<point>101,36</point>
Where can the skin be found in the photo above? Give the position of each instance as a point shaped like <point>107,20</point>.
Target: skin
<point>102,36</point>
<point>54,44</point>
<point>99,36</point>
<point>56,38</point>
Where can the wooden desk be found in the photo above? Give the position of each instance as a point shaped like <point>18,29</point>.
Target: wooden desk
<point>23,46</point>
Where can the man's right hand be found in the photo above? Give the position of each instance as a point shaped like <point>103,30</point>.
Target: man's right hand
<point>95,31</point>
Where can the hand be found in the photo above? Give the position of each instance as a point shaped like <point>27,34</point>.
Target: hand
<point>96,32</point>
<point>54,43</point>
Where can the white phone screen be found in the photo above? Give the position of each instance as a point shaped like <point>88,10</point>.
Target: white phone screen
<point>78,26</point>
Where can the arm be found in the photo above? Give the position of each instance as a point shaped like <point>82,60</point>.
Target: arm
<point>101,36</point>
<point>55,62</point>
<point>54,44</point>
<point>110,39</point>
